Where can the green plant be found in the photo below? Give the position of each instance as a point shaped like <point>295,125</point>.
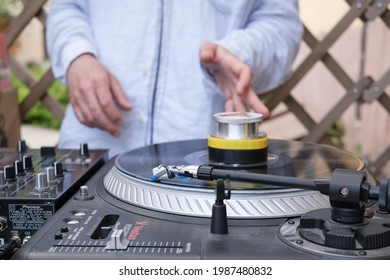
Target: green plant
<point>7,10</point>
<point>336,133</point>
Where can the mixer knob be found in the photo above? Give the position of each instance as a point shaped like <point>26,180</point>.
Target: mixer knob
<point>50,174</point>
<point>58,170</point>
<point>9,173</point>
<point>84,194</point>
<point>2,179</point>
<point>118,241</point>
<point>41,182</point>
<point>21,146</point>
<point>28,164</point>
<point>84,151</point>
<point>84,191</point>
<point>47,152</point>
<point>19,169</point>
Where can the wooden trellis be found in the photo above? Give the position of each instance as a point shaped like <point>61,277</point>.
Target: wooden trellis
<point>38,89</point>
<point>364,90</point>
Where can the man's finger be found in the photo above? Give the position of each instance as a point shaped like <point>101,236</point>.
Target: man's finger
<point>80,114</point>
<point>99,113</point>
<point>119,94</point>
<point>106,102</point>
<point>105,123</point>
<point>229,106</point>
<point>244,81</point>
<point>239,105</point>
<point>207,53</point>
<point>93,112</point>
<point>256,104</point>
<point>78,100</point>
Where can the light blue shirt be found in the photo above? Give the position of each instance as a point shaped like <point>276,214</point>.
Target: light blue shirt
<point>152,47</point>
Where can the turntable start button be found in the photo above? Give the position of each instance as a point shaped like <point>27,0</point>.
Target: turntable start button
<point>73,222</point>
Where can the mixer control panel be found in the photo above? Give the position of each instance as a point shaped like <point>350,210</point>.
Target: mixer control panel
<point>35,183</point>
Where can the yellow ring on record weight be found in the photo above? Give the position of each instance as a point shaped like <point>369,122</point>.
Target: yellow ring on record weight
<point>237,144</point>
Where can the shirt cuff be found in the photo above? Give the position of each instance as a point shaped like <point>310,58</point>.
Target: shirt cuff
<point>73,50</point>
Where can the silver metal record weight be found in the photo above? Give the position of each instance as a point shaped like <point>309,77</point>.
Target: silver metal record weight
<point>238,125</point>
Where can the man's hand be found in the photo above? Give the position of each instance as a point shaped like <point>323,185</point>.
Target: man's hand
<point>96,94</point>
<point>233,77</point>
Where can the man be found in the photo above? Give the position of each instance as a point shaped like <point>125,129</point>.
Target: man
<point>150,71</point>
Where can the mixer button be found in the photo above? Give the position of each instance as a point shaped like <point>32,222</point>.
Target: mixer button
<point>28,164</point>
<point>58,169</point>
<point>21,146</point>
<point>84,151</point>
<point>9,173</point>
<point>41,182</point>
<point>19,169</point>
<point>58,236</point>
<point>64,229</point>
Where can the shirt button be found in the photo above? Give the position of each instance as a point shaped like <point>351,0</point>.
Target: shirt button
<point>141,119</point>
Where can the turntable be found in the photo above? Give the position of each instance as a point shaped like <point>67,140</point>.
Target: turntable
<point>236,195</point>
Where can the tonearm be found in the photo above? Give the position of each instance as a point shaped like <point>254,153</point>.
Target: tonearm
<point>349,190</point>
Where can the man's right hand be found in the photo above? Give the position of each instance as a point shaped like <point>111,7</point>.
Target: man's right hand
<point>96,94</point>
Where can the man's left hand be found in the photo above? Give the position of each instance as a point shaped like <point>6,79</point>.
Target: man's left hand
<point>233,77</point>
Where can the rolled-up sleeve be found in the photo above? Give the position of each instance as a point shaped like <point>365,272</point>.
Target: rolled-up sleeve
<point>68,34</point>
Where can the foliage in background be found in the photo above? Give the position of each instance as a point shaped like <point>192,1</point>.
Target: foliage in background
<point>7,10</point>
<point>39,115</point>
<point>336,133</point>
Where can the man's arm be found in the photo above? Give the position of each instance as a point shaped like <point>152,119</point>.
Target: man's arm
<point>68,34</point>
<point>269,42</point>
<point>94,92</point>
<point>256,58</point>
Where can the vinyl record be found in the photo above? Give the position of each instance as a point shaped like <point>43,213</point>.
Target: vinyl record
<point>285,158</point>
